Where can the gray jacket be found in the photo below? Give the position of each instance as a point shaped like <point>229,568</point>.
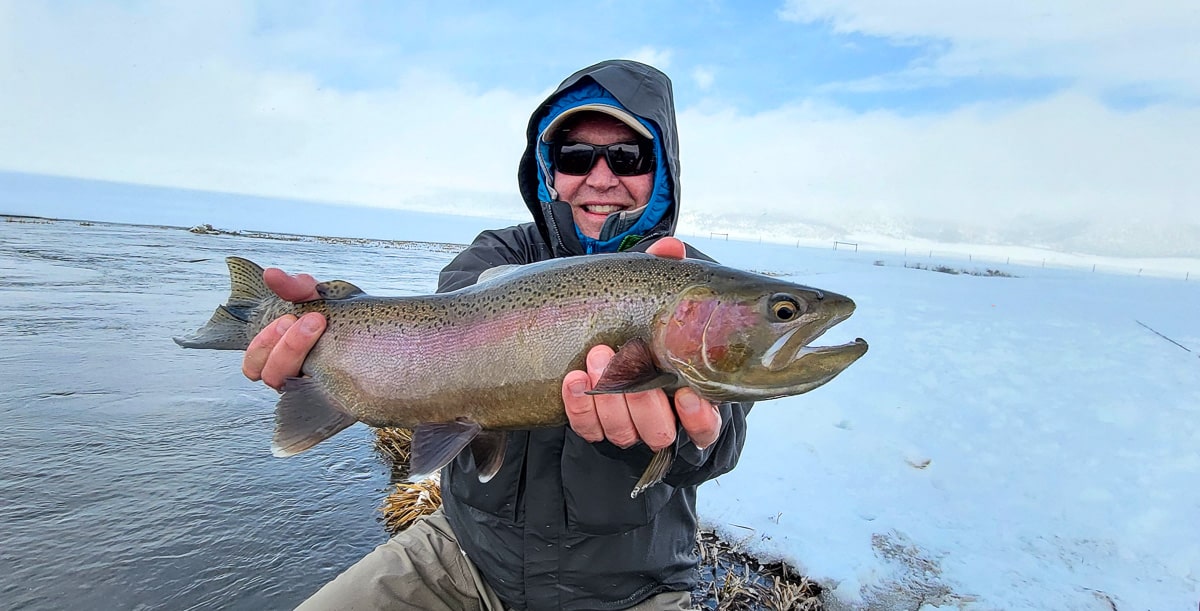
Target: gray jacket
<point>556,528</point>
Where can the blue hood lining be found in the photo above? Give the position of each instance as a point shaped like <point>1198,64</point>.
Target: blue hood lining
<point>660,199</point>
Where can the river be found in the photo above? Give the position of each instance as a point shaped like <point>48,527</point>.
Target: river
<point>138,475</point>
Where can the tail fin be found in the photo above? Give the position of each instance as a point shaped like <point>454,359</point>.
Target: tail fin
<point>230,326</point>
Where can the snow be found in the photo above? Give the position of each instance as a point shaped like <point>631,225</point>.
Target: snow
<point>1007,442</point>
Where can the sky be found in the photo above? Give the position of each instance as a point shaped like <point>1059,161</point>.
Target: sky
<point>1070,126</point>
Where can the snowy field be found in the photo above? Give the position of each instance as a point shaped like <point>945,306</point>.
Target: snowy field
<point>1025,442</point>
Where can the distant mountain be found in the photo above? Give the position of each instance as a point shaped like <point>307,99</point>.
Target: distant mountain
<point>115,202</point>
<point>1103,237</point>
<point>85,199</point>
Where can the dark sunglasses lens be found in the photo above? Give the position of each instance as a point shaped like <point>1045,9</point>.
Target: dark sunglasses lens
<point>574,159</point>
<point>626,159</point>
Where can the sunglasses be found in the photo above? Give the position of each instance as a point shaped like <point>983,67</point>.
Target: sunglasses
<point>624,158</point>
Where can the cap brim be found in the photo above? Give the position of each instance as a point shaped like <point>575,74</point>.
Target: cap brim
<point>612,111</point>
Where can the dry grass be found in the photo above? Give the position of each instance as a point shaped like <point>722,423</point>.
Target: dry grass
<point>730,579</point>
<point>394,446</point>
<point>410,501</point>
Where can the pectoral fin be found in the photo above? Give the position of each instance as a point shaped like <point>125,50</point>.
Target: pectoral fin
<point>305,416</point>
<point>655,471</point>
<point>632,369</point>
<point>435,445</point>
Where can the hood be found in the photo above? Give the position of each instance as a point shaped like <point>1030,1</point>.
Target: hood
<point>646,93</point>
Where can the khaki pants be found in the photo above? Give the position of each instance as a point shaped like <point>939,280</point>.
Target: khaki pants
<point>423,569</point>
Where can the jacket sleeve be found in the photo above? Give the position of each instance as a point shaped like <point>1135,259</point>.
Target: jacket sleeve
<point>490,249</point>
<point>694,466</point>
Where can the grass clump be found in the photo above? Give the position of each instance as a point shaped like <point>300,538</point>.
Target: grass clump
<point>992,273</point>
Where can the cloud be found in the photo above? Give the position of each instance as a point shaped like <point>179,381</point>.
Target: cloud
<point>704,77</point>
<point>1102,45</point>
<point>659,58</point>
<point>1061,158</point>
<point>206,96</point>
<point>185,102</point>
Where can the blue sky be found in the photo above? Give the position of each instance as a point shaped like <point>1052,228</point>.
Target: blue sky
<point>757,55</point>
<point>861,115</point>
<point>760,57</point>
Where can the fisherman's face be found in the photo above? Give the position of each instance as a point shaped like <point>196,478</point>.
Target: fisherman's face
<point>600,193</point>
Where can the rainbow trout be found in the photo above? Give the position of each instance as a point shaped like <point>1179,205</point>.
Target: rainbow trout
<point>461,368</point>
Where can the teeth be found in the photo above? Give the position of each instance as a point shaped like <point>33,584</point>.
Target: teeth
<point>603,209</point>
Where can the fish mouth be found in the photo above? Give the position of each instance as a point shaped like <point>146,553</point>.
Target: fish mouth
<point>794,344</point>
<point>845,353</point>
<point>790,366</point>
<point>808,367</point>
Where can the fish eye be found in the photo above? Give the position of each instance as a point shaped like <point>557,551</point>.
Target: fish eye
<point>785,307</point>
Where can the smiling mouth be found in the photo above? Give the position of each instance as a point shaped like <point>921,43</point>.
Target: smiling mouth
<point>604,209</point>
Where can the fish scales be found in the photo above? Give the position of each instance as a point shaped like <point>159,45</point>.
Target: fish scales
<point>525,337</point>
<point>462,367</point>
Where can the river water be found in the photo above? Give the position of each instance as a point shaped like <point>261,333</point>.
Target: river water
<point>135,474</point>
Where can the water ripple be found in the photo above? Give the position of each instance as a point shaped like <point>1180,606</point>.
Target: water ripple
<point>144,470</point>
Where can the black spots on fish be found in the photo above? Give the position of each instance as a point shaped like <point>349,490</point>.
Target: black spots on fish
<point>615,282</point>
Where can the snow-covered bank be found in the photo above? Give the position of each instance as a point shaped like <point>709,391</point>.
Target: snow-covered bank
<point>1007,443</point>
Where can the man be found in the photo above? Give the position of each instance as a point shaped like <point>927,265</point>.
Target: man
<point>556,528</point>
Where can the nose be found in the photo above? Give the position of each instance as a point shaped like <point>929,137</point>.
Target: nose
<point>601,176</point>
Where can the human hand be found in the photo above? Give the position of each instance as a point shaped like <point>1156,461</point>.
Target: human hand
<point>625,419</point>
<point>670,248</point>
<point>278,351</point>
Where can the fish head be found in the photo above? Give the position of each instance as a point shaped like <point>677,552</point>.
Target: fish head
<point>746,337</point>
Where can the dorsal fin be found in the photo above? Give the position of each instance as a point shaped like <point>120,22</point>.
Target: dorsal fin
<point>338,289</point>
